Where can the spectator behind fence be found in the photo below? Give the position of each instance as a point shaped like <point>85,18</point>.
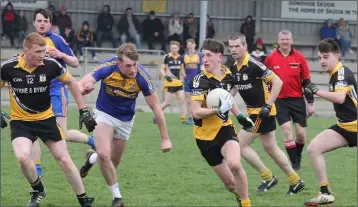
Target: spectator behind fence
<point>344,37</point>
<point>248,29</point>
<point>85,39</point>
<point>70,38</point>
<point>153,29</point>
<point>54,27</point>
<point>175,28</point>
<point>8,21</point>
<point>258,54</point>
<point>190,28</point>
<point>105,23</point>
<point>328,30</point>
<point>22,27</point>
<point>129,28</point>
<point>210,30</point>
<point>260,44</point>
<point>63,20</point>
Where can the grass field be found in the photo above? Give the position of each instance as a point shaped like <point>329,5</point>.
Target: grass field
<point>148,177</point>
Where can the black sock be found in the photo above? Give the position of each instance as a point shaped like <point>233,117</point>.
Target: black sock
<point>299,147</point>
<point>81,198</point>
<point>37,185</point>
<point>324,189</point>
<point>290,146</point>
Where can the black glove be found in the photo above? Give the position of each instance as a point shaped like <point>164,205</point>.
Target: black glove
<point>3,121</point>
<point>311,89</point>
<point>87,119</point>
<point>265,111</point>
<point>168,78</point>
<point>246,122</point>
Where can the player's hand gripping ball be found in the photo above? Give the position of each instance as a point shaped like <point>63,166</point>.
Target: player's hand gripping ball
<point>220,99</point>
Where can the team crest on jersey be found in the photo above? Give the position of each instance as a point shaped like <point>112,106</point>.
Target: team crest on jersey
<point>245,77</point>
<point>43,78</point>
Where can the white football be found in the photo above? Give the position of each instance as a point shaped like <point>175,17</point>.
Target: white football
<point>213,97</point>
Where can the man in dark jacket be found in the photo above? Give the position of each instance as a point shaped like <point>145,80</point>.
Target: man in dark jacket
<point>85,39</point>
<point>153,31</point>
<point>9,22</point>
<point>105,23</point>
<point>129,27</point>
<point>248,29</point>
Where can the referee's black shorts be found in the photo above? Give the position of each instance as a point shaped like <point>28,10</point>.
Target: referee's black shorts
<point>46,130</point>
<point>291,109</point>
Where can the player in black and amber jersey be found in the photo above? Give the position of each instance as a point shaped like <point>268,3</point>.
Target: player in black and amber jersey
<point>213,129</point>
<point>173,84</point>
<point>29,77</point>
<point>342,93</point>
<point>251,80</point>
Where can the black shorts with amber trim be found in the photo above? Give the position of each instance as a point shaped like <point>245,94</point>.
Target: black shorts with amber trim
<point>211,150</point>
<point>263,125</point>
<point>173,89</point>
<point>351,137</point>
<point>46,130</point>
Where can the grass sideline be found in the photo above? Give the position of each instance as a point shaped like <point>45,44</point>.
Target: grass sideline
<point>147,177</point>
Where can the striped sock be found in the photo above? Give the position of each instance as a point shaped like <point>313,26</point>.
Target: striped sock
<point>245,203</point>
<point>38,168</point>
<point>293,178</point>
<point>266,175</point>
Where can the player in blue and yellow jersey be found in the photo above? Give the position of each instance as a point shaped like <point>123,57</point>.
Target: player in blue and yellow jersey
<point>193,63</point>
<point>173,84</point>
<point>59,50</point>
<point>122,79</point>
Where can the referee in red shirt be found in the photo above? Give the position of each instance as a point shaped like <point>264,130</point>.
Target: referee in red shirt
<point>291,67</point>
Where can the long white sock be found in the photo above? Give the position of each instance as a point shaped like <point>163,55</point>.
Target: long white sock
<point>93,158</point>
<point>115,190</point>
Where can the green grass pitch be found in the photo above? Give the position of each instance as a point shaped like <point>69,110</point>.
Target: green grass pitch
<point>148,177</point>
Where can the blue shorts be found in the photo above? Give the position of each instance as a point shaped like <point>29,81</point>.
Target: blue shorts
<point>59,101</point>
<point>187,86</point>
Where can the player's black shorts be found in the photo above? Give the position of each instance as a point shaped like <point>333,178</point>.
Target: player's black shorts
<point>265,125</point>
<point>351,137</point>
<point>211,150</point>
<point>173,89</point>
<point>46,130</point>
<point>291,108</point>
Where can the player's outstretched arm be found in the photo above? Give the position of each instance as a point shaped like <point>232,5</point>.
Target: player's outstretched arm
<point>153,102</point>
<point>86,84</point>
<point>335,97</point>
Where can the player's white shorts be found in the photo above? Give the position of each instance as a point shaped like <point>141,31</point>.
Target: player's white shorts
<point>122,129</point>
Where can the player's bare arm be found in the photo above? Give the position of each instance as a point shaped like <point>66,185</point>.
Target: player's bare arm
<point>153,103</point>
<point>198,112</point>
<point>182,71</point>
<point>86,84</point>
<point>334,97</point>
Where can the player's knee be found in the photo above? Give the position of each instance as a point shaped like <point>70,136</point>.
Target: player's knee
<point>287,132</point>
<point>23,159</point>
<point>301,136</point>
<point>234,166</point>
<point>312,150</point>
<point>65,162</point>
<point>103,156</point>
<point>269,149</point>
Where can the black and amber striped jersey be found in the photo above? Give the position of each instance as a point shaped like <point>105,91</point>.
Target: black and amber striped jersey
<point>172,65</point>
<point>208,127</point>
<point>252,78</point>
<point>342,79</point>
<point>29,88</point>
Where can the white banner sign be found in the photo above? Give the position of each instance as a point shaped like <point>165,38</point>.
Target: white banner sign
<point>25,4</point>
<point>319,10</point>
